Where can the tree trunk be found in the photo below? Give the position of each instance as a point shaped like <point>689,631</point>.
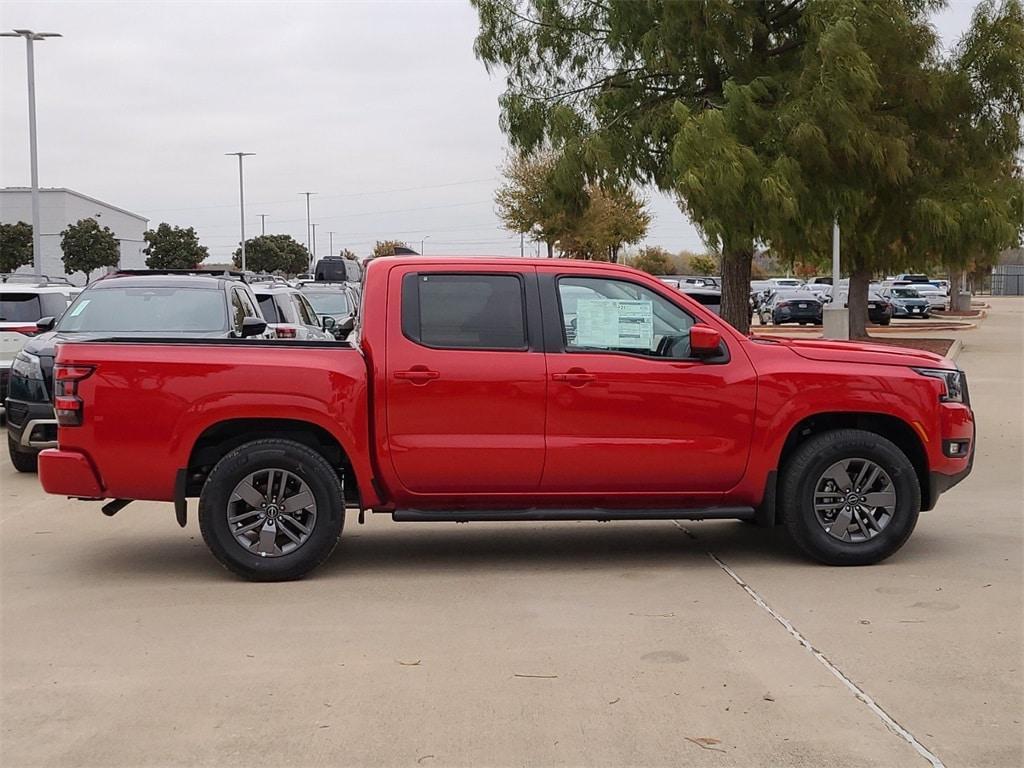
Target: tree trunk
<point>959,300</point>
<point>857,301</point>
<point>736,286</point>
<point>551,249</point>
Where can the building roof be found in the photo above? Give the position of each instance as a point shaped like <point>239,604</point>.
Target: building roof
<point>80,195</point>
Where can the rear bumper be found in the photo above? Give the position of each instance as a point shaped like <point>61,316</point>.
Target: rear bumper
<point>69,473</point>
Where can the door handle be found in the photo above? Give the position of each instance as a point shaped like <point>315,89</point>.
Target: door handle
<point>418,375</point>
<point>574,378</point>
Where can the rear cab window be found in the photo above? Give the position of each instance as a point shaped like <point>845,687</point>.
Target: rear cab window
<point>481,311</point>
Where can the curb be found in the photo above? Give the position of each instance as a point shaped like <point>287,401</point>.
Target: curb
<point>954,350</point>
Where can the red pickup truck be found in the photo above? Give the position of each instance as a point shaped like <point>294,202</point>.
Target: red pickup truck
<point>512,389</point>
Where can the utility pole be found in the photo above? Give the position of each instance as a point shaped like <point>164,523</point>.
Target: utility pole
<point>37,237</point>
<point>330,247</point>
<point>314,241</point>
<point>263,223</point>
<point>309,230</point>
<point>241,198</point>
<point>423,241</point>
<point>522,244</point>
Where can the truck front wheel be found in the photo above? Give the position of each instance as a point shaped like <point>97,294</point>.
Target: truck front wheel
<point>849,497</point>
<point>272,510</point>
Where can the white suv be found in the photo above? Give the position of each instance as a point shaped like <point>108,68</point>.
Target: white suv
<point>24,300</point>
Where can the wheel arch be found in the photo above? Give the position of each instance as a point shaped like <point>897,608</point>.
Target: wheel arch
<point>893,428</point>
<point>218,439</point>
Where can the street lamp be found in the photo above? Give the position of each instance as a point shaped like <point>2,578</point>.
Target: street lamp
<point>37,240</point>
<point>309,228</point>
<point>422,241</point>
<point>263,223</point>
<point>241,198</point>
<point>314,241</point>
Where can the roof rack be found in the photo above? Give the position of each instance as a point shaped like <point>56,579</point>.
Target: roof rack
<point>20,277</point>
<point>227,273</point>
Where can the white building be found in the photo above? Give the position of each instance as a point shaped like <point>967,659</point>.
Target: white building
<point>58,208</point>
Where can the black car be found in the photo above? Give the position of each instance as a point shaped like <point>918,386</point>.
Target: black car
<point>123,304</point>
<point>335,300</point>
<point>801,307</point>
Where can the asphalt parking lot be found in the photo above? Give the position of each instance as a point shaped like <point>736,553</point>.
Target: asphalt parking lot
<point>123,643</point>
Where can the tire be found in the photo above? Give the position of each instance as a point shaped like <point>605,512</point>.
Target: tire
<point>805,470</point>
<point>23,461</point>
<point>886,321</point>
<point>306,473</point>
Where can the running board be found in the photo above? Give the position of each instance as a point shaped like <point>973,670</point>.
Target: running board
<point>600,515</point>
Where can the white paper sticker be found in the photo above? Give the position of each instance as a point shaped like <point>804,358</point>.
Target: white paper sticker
<point>78,310</point>
<point>614,324</point>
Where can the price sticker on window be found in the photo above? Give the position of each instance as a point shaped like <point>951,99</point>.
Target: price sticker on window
<point>614,324</point>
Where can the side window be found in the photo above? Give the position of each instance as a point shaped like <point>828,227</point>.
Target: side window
<point>306,314</point>
<point>237,311</point>
<point>469,311</point>
<point>267,308</point>
<point>247,304</point>
<point>606,315</point>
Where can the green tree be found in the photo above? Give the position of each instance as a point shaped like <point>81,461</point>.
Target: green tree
<point>170,247</point>
<point>676,94</point>
<point>386,248</point>
<point>653,259</point>
<point>87,247</point>
<point>273,253</point>
<point>529,201</point>
<point>347,254</point>
<point>610,220</point>
<point>704,264</point>
<point>15,246</point>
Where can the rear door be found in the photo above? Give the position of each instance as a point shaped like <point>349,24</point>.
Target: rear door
<point>466,380</point>
<point>629,410</point>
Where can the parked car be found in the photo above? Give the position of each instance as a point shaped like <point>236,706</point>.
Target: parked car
<point>336,301</point>
<point>335,269</point>
<point>289,314</point>
<point>123,305</point>
<point>936,298</point>
<point>784,283</point>
<point>879,308</point>
<point>906,302</point>
<point>465,400</point>
<point>911,277</point>
<point>792,306</point>
<point>709,297</point>
<point>23,300</point>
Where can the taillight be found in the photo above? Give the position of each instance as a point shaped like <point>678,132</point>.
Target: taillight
<point>284,332</point>
<point>66,402</point>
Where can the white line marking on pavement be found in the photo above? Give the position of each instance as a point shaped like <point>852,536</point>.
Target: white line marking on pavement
<point>882,715</point>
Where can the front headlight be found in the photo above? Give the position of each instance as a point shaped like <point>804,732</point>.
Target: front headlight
<point>956,385</point>
<point>27,366</point>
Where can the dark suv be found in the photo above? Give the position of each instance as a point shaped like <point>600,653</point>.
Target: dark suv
<point>131,303</point>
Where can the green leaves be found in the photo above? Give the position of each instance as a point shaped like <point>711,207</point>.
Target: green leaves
<point>87,247</point>
<point>274,253</point>
<point>15,246</point>
<point>170,247</point>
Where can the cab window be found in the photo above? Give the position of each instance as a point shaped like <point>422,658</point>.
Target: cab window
<point>609,315</point>
<point>464,311</point>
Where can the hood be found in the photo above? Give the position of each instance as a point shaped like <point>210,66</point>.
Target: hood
<point>45,344</point>
<point>863,352</point>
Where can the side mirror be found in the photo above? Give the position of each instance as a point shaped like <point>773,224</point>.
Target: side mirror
<point>705,341</point>
<point>253,326</point>
<point>328,323</point>
<point>44,324</point>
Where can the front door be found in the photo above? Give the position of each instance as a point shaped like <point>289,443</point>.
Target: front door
<point>629,410</point>
<point>466,381</point>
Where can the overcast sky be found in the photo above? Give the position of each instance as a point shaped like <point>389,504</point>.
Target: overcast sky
<point>378,107</point>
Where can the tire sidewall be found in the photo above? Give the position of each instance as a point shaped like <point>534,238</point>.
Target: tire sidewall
<point>312,469</point>
<point>817,457</point>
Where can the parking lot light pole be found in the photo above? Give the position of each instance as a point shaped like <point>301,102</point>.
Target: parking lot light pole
<point>423,240</point>
<point>314,241</point>
<point>37,237</point>
<point>263,223</point>
<point>309,230</point>
<point>241,198</point>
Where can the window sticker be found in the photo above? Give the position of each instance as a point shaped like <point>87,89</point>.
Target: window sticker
<point>78,310</point>
<point>614,324</point>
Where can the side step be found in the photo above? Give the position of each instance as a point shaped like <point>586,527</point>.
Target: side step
<point>601,515</point>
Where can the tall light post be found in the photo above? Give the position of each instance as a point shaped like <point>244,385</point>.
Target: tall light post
<point>314,241</point>
<point>37,237</point>
<point>330,246</point>
<point>309,229</point>
<point>423,240</point>
<point>241,198</point>
<point>263,223</point>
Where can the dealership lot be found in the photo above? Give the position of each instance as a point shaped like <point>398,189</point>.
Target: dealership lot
<point>124,644</point>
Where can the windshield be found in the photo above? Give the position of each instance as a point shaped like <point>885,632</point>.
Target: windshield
<point>330,302</point>
<point>905,293</point>
<point>146,309</point>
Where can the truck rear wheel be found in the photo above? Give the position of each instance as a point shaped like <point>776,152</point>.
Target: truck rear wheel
<point>849,497</point>
<point>23,461</point>
<point>272,510</point>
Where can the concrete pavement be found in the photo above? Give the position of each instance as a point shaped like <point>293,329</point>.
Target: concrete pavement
<point>123,643</point>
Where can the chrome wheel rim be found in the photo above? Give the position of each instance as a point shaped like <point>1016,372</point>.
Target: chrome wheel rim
<point>854,500</point>
<point>271,512</point>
